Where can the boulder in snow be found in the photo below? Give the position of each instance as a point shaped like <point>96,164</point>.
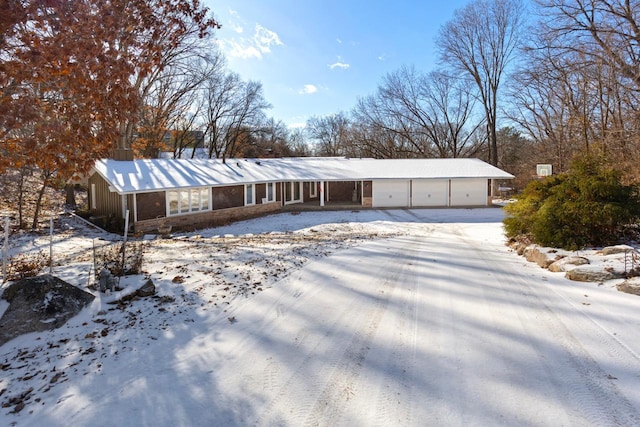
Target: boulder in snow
<point>519,247</point>
<point>534,253</point>
<point>592,274</point>
<point>567,263</point>
<point>630,286</point>
<point>146,290</point>
<point>617,249</point>
<point>38,304</point>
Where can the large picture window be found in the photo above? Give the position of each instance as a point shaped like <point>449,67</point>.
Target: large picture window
<point>187,201</point>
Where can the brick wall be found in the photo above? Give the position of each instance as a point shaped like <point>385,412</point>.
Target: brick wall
<point>206,219</point>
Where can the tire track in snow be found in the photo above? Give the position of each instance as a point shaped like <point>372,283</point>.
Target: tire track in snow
<point>329,388</point>
<point>299,393</point>
<point>394,405</point>
<point>394,402</point>
<point>341,385</point>
<point>590,394</point>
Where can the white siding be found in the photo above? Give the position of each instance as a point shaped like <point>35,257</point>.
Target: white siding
<point>469,192</point>
<point>389,193</point>
<point>430,192</point>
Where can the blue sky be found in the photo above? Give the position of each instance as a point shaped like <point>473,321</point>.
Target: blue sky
<point>316,58</point>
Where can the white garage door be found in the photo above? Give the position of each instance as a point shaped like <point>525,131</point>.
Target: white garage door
<point>389,193</point>
<point>430,192</point>
<point>469,192</point>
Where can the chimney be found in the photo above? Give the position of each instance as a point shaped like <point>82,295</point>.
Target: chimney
<point>123,154</point>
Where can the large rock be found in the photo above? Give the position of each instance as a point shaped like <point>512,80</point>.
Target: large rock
<point>567,263</point>
<point>630,286</point>
<point>146,290</point>
<point>519,247</point>
<point>592,274</point>
<point>618,249</point>
<point>39,304</point>
<point>533,253</point>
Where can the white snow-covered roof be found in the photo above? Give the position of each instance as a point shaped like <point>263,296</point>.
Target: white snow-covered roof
<point>146,175</point>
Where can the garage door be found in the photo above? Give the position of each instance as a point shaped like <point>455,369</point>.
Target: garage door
<point>389,193</point>
<point>469,192</point>
<point>430,192</point>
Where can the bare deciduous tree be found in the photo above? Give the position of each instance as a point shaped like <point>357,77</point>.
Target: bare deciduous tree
<point>232,109</point>
<point>171,101</point>
<point>479,42</point>
<point>417,115</point>
<point>572,94</point>
<point>598,40</point>
<point>331,134</point>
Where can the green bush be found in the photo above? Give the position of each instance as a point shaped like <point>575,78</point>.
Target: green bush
<point>588,206</point>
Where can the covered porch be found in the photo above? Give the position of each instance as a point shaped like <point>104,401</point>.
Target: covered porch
<point>327,194</point>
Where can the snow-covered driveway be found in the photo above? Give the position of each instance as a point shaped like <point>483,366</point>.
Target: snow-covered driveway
<point>437,323</point>
<point>444,327</point>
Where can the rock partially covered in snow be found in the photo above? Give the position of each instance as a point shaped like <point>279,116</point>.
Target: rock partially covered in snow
<point>618,249</point>
<point>630,286</point>
<point>535,253</point>
<point>592,274</point>
<point>146,290</point>
<point>567,263</point>
<point>130,293</point>
<point>39,304</point>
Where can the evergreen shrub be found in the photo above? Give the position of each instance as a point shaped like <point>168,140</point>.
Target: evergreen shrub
<point>587,206</point>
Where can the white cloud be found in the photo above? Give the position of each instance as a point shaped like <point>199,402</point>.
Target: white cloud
<point>253,47</point>
<point>308,90</point>
<point>339,64</point>
<point>339,41</point>
<point>238,29</point>
<point>242,50</point>
<point>265,38</point>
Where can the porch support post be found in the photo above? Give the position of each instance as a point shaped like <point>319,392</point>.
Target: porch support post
<point>321,190</point>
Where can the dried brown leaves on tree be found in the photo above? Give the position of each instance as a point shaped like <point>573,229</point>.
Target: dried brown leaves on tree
<point>69,72</point>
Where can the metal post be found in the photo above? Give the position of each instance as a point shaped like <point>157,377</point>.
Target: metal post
<point>51,245</point>
<point>124,242</point>
<point>5,249</point>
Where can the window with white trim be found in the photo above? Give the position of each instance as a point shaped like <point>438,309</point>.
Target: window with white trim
<point>249,194</point>
<point>188,201</point>
<point>313,189</point>
<point>271,192</point>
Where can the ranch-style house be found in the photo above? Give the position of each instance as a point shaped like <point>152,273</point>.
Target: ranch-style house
<point>199,193</point>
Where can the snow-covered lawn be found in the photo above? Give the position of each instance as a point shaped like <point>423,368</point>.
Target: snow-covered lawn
<point>391,317</point>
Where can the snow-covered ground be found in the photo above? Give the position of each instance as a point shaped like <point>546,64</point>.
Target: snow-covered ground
<point>390,317</point>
